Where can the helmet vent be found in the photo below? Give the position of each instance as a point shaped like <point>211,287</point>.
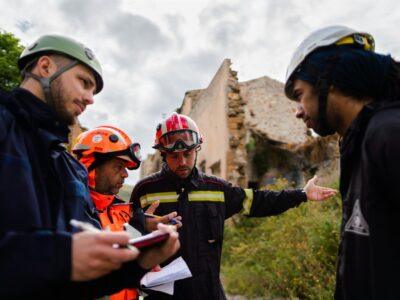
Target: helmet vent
<point>113,138</point>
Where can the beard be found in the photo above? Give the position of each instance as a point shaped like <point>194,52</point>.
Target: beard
<point>323,128</point>
<point>59,102</point>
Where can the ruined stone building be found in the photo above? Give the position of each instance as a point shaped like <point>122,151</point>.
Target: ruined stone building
<point>251,135</point>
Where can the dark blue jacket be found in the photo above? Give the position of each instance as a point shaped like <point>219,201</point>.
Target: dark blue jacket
<point>42,187</point>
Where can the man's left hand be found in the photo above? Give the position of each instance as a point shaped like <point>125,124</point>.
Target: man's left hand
<point>151,223</point>
<point>317,193</point>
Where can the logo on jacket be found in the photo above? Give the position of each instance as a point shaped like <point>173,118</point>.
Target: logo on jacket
<point>357,223</point>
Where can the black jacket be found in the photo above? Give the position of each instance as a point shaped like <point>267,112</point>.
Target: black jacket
<point>369,252</point>
<point>204,202</point>
<point>42,187</point>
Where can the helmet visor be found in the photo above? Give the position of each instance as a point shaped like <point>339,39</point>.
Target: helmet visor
<point>179,140</point>
<point>132,155</point>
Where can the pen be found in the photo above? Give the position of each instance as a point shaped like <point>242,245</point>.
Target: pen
<point>172,221</point>
<point>84,226</point>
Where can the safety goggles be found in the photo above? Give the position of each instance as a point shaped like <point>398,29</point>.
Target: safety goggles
<point>179,141</point>
<point>132,155</point>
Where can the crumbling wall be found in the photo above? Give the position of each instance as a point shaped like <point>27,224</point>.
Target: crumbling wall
<point>75,130</point>
<point>189,101</point>
<point>236,158</point>
<point>321,157</point>
<point>151,164</point>
<point>278,143</point>
<point>269,112</point>
<point>268,159</point>
<point>210,114</point>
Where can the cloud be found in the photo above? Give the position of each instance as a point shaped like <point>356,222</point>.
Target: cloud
<point>152,51</point>
<point>137,39</point>
<point>174,24</point>
<point>88,15</point>
<point>224,24</point>
<point>24,25</point>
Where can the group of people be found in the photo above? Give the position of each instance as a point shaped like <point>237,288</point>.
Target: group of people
<point>341,85</point>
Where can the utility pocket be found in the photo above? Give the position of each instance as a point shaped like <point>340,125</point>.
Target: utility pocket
<point>216,224</point>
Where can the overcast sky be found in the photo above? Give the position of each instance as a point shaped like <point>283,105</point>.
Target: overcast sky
<point>153,51</point>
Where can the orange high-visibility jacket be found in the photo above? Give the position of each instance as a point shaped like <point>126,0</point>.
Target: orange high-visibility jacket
<point>113,213</point>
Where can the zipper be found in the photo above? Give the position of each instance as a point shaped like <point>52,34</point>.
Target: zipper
<point>93,219</point>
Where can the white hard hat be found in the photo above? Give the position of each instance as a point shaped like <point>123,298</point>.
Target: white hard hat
<point>339,35</point>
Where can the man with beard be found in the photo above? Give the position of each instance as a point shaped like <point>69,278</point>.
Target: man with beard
<point>204,202</point>
<point>42,187</point>
<point>343,86</point>
<point>107,153</point>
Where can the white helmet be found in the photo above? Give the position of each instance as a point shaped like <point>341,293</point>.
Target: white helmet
<point>339,35</point>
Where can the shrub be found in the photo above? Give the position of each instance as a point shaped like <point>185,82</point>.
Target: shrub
<point>291,255</point>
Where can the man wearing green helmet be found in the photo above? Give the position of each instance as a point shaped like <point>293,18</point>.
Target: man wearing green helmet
<point>344,87</point>
<point>62,54</point>
<point>43,187</point>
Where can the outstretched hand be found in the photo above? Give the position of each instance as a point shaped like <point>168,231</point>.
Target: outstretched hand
<point>317,193</point>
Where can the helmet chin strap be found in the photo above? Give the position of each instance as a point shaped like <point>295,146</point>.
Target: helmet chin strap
<point>195,163</point>
<point>324,84</point>
<point>45,82</point>
<point>324,128</point>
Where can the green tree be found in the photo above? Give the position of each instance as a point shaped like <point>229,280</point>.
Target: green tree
<point>10,50</point>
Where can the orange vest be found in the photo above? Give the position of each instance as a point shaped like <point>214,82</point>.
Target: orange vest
<point>113,217</point>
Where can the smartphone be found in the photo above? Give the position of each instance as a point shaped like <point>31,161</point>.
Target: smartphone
<point>149,240</point>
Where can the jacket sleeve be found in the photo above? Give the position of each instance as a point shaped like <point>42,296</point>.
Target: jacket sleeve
<point>135,197</point>
<point>33,261</point>
<point>30,259</point>
<point>138,219</point>
<point>46,263</point>
<point>255,203</point>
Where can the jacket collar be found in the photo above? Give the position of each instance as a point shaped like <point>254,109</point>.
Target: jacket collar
<point>350,145</point>
<point>357,128</point>
<point>101,201</point>
<point>353,137</point>
<point>38,114</point>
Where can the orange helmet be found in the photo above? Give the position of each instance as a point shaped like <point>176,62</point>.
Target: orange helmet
<point>105,142</point>
<point>177,133</point>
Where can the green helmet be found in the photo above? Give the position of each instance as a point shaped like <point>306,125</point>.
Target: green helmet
<point>64,46</point>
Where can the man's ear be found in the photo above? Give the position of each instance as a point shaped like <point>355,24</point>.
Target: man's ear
<point>45,66</point>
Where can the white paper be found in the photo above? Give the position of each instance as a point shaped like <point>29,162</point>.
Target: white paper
<point>167,288</point>
<point>176,270</point>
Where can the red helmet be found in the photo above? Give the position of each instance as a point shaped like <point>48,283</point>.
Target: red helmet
<point>106,141</point>
<point>177,133</point>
